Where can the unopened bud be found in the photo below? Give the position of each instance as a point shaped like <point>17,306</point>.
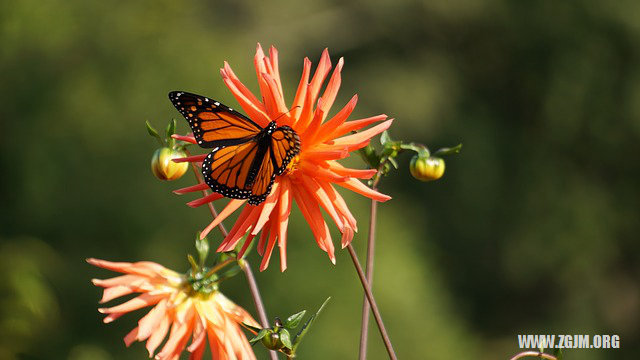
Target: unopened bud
<point>427,168</point>
<point>164,168</point>
<point>272,341</point>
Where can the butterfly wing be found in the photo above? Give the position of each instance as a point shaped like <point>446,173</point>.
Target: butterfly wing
<point>283,145</point>
<point>213,124</point>
<point>228,169</point>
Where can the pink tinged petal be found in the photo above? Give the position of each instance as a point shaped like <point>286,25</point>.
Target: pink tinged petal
<point>267,208</point>
<point>134,304</point>
<point>112,317</point>
<point>199,340</point>
<point>254,108</point>
<point>118,280</point>
<point>131,337</point>
<point>190,138</point>
<point>204,200</point>
<point>150,322</point>
<point>190,189</point>
<point>355,173</point>
<point>142,268</point>
<point>333,86</point>
<point>321,73</point>
<point>232,206</point>
<point>330,126</point>
<point>116,292</point>
<point>158,335</point>
<point>194,158</point>
<point>363,136</point>
<point>178,337</point>
<point>356,186</point>
<point>301,93</point>
<point>217,350</point>
<point>269,250</point>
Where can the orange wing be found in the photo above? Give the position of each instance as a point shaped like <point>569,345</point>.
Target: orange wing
<point>213,124</point>
<point>227,170</point>
<point>285,144</point>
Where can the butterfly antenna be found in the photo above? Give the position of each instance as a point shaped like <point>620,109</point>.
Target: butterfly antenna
<point>284,113</point>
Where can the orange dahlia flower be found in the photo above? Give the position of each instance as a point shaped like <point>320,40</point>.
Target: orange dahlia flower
<point>311,176</point>
<point>177,306</point>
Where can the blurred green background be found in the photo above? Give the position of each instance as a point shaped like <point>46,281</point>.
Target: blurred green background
<point>533,229</point>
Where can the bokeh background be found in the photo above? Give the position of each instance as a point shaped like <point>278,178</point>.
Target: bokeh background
<point>533,229</point>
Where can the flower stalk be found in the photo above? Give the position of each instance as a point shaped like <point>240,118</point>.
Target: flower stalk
<point>372,302</point>
<point>244,264</point>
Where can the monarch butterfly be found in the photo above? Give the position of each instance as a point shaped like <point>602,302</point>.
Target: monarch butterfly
<point>245,158</point>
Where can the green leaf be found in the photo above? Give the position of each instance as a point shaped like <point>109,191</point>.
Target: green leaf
<point>370,157</point>
<point>154,133</point>
<point>171,128</point>
<point>449,151</point>
<point>202,245</point>
<point>393,162</point>
<point>285,337</point>
<point>262,333</point>
<point>293,321</point>
<point>385,138</point>
<point>251,327</point>
<point>307,325</point>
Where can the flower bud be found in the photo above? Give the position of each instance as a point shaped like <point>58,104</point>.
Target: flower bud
<point>165,169</point>
<point>272,341</point>
<point>427,168</point>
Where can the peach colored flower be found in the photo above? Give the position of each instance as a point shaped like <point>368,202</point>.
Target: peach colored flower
<point>312,175</point>
<point>177,307</point>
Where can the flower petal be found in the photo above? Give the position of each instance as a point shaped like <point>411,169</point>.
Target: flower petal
<point>232,206</point>
<point>362,189</point>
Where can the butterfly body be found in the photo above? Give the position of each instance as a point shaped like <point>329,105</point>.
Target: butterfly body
<point>245,158</point>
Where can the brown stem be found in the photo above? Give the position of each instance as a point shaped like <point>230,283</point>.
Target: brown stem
<point>369,275</point>
<point>372,301</point>
<point>244,264</point>
<point>538,354</point>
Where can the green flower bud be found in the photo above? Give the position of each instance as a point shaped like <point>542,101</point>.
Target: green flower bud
<point>272,341</point>
<point>427,168</point>
<point>165,169</point>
